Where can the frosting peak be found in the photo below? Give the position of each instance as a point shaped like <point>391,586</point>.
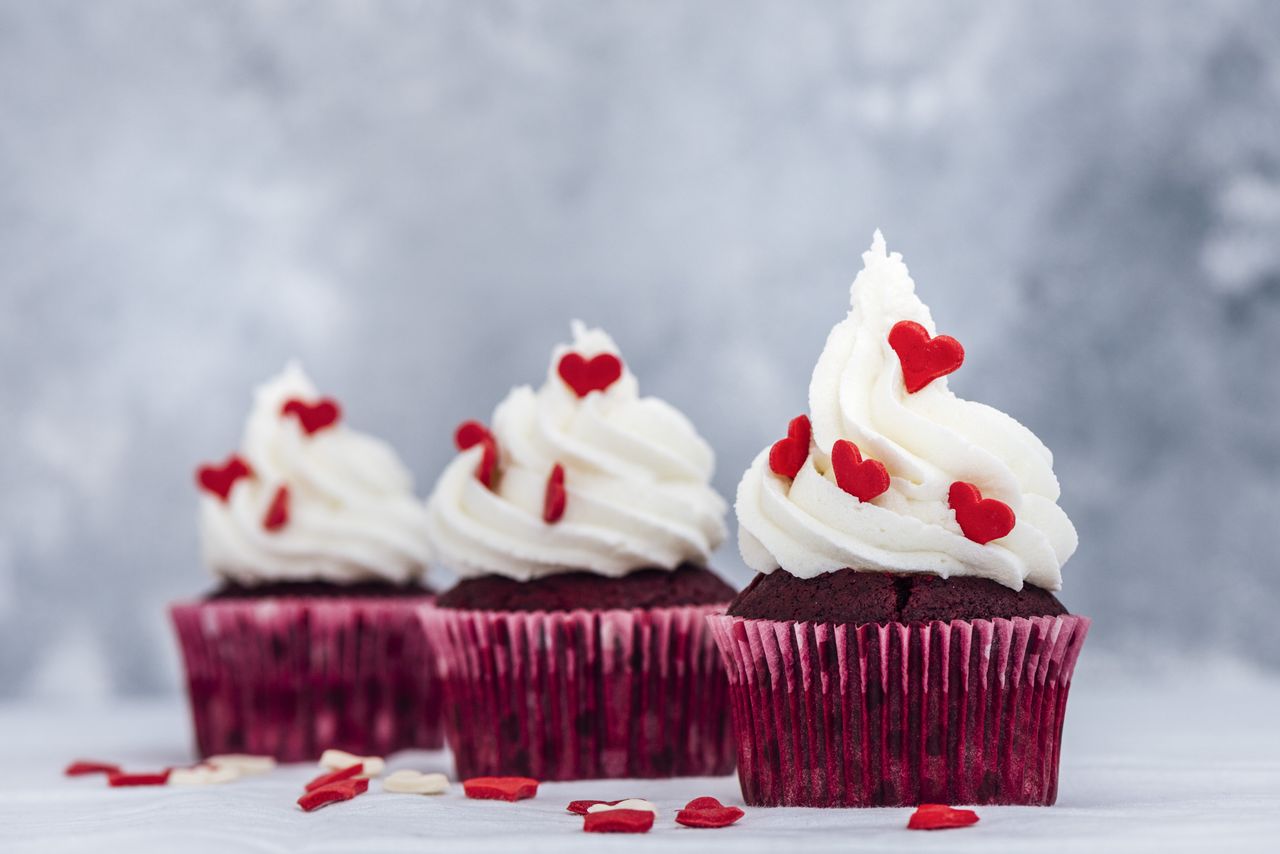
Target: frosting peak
<point>892,402</point>
<point>309,499</point>
<point>629,474</point>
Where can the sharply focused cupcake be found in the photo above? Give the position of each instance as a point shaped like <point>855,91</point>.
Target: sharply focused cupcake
<point>310,640</point>
<point>580,522</point>
<point>902,643</point>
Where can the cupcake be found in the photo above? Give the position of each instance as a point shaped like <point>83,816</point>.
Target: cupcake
<point>580,522</point>
<point>311,639</point>
<point>902,642</point>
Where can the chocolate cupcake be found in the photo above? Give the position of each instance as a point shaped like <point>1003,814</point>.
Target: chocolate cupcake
<point>902,643</point>
<point>575,644</point>
<point>311,640</point>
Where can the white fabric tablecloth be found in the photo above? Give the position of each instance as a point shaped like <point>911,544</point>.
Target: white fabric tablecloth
<point>1189,761</point>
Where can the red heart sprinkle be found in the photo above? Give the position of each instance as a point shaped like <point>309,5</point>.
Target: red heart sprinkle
<point>82,767</point>
<point>154,778</point>
<point>487,470</point>
<point>218,480</point>
<point>335,777</point>
<point>587,375</point>
<point>554,501</point>
<point>500,788</point>
<point>618,821</point>
<point>332,793</point>
<point>278,513</point>
<point>469,434</point>
<point>787,456</point>
<point>940,817</point>
<point>863,479</point>
<point>923,359</point>
<point>313,416</point>
<point>581,807</point>
<point>707,812</point>
<point>981,519</point>
<point>704,803</point>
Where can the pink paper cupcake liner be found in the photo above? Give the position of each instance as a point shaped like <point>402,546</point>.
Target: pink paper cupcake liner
<point>583,694</point>
<point>292,677</point>
<point>966,712</point>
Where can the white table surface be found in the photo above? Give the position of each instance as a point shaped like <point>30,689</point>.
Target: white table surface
<point>1187,761</point>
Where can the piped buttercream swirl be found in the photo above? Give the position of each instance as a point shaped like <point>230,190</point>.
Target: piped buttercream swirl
<point>926,440</point>
<point>636,476</point>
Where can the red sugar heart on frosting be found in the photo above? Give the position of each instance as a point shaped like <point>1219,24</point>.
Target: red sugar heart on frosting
<point>218,480</point>
<point>923,359</point>
<point>469,434</point>
<point>940,817</point>
<point>787,456</point>
<point>313,416</point>
<point>587,375</point>
<point>981,519</point>
<point>487,470</point>
<point>863,479</point>
<point>278,513</point>
<point>554,501</point>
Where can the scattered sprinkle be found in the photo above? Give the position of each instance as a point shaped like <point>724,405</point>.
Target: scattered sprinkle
<point>618,821</point>
<point>500,788</point>
<point>707,812</point>
<point>337,760</point>
<point>82,767</point>
<point>411,782</point>
<point>940,817</point>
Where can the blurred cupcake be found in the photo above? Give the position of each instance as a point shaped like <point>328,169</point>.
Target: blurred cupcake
<point>901,643</point>
<point>311,640</point>
<point>575,644</point>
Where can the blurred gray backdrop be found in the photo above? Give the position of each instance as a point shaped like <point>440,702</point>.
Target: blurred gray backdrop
<point>415,198</point>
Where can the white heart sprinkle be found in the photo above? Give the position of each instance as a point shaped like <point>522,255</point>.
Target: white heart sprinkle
<point>336,760</point>
<point>245,764</point>
<point>411,782</point>
<point>628,804</point>
<point>202,775</point>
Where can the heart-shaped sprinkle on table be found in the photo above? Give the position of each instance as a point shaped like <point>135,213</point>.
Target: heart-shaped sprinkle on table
<point>923,358</point>
<point>863,479</point>
<point>84,767</point>
<point>500,788</point>
<point>203,775</point>
<point>339,760</point>
<point>708,812</point>
<point>587,375</point>
<point>981,519</point>
<point>247,764</point>
<point>553,502</point>
<point>940,817</point>
<point>277,515</point>
<point>618,821</point>
<point>582,807</point>
<point>218,480</point>
<point>787,456</point>
<point>409,782</point>
<point>469,434</point>
<point>625,804</point>
<point>148,778</point>
<point>334,792</point>
<point>335,776</point>
<point>313,416</point>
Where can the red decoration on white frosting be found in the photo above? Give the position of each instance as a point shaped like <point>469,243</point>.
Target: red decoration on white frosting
<point>219,480</point>
<point>787,456</point>
<point>863,479</point>
<point>587,375</point>
<point>981,519</point>
<point>553,503</point>
<point>277,515</point>
<point>923,358</point>
<point>313,416</point>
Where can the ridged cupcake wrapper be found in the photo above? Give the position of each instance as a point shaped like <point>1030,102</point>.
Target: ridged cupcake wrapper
<point>583,694</point>
<point>966,712</point>
<point>292,677</point>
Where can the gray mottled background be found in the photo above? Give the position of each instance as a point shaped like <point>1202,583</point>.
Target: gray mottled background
<point>416,197</point>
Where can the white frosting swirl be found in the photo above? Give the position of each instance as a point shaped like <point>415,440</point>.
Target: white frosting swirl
<point>352,513</point>
<point>636,473</point>
<point>926,440</point>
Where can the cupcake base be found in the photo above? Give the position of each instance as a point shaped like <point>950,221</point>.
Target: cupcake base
<point>583,694</point>
<point>292,677</point>
<point>840,715</point>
